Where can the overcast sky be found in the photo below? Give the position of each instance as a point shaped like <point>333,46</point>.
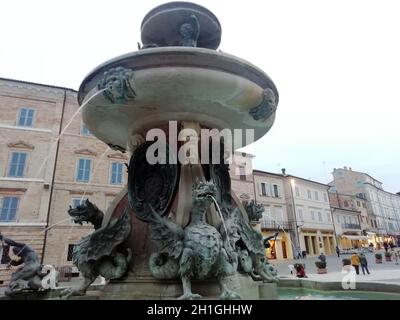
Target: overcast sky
<point>336,65</point>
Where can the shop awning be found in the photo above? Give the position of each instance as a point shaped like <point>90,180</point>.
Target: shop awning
<point>355,237</point>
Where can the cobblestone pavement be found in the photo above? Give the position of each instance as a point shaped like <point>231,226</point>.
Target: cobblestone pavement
<point>388,272</point>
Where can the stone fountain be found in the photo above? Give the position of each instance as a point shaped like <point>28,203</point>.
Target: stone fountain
<point>177,229</point>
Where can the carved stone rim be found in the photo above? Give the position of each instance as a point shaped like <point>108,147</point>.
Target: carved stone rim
<point>172,56</point>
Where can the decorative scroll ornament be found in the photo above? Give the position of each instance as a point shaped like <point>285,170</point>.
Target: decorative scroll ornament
<point>266,108</point>
<point>150,184</point>
<point>117,85</point>
<point>134,141</point>
<point>219,174</point>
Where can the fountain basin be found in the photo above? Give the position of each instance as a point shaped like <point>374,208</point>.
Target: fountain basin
<point>215,89</point>
<point>312,294</point>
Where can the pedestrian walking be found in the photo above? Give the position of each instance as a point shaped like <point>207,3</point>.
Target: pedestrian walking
<point>338,251</point>
<point>371,247</point>
<point>396,257</point>
<point>355,262</point>
<point>385,246</point>
<point>364,263</point>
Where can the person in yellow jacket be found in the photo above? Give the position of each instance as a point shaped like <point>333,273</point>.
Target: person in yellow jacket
<point>355,262</point>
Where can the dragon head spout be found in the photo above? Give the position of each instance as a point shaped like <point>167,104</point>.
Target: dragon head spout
<point>204,192</point>
<point>254,210</point>
<point>86,212</point>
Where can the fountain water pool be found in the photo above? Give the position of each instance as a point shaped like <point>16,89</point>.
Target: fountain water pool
<point>311,294</point>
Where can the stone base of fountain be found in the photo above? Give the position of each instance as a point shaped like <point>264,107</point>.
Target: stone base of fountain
<point>135,287</point>
<point>268,291</point>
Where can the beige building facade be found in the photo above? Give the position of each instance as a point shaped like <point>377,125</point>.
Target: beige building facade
<point>309,209</point>
<point>382,207</point>
<point>270,192</point>
<point>41,175</point>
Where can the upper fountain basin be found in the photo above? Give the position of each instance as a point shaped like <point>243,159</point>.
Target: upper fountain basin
<point>147,88</point>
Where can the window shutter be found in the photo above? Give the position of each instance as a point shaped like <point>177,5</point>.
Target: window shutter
<point>279,190</point>
<point>259,189</point>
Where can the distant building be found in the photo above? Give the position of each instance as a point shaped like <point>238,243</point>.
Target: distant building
<point>382,207</point>
<point>309,208</point>
<point>353,226</point>
<point>270,192</point>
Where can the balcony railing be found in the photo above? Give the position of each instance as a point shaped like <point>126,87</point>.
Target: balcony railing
<point>351,226</point>
<point>272,225</point>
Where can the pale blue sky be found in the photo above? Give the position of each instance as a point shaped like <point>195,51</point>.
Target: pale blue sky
<point>336,65</point>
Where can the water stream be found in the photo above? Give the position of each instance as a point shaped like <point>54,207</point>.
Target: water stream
<point>222,219</point>
<point>54,144</point>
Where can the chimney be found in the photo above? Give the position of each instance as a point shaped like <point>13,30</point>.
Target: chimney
<point>345,167</point>
<point>283,171</point>
<point>350,168</point>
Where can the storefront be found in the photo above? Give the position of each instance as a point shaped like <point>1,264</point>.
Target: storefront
<point>353,241</point>
<point>280,248</point>
<point>371,238</point>
<point>316,242</point>
<point>391,238</point>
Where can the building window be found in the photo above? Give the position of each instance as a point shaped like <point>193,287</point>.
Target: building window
<point>9,209</point>
<point>309,193</point>
<point>364,205</point>
<point>70,252</point>
<point>346,203</point>
<point>358,203</point>
<point>325,197</point>
<point>300,214</point>
<point>17,164</point>
<point>328,216</point>
<point>83,170</point>
<point>338,219</point>
<point>316,195</point>
<point>242,173</point>
<point>25,118</point>
<point>276,191</point>
<point>76,202</point>
<point>312,215</point>
<point>116,173</point>
<point>85,131</point>
<point>296,188</point>
<point>319,216</point>
<point>263,189</point>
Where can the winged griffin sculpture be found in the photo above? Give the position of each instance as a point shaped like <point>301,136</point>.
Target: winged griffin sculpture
<point>197,251</point>
<point>99,253</point>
